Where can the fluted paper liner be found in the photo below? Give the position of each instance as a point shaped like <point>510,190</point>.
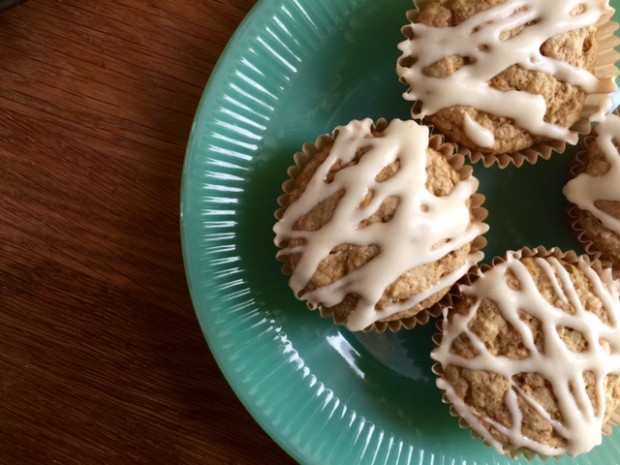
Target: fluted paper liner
<point>575,215</point>
<point>604,69</point>
<point>471,277</point>
<point>455,158</point>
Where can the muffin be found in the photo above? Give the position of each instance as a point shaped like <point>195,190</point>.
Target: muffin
<point>377,222</point>
<point>594,193</point>
<point>529,357</point>
<point>509,82</point>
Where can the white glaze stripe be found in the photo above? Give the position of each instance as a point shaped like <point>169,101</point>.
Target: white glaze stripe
<point>584,190</point>
<point>421,221</point>
<point>478,134</point>
<point>580,425</point>
<point>478,37</point>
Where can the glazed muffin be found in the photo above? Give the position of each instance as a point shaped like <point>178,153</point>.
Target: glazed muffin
<point>529,358</point>
<point>377,223</point>
<point>510,82</point>
<point>594,193</point>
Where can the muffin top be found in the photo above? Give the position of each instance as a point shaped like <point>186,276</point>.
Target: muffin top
<point>530,357</point>
<point>367,211</point>
<point>500,75</point>
<point>597,190</point>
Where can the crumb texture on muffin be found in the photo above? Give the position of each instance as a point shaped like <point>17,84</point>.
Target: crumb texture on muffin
<point>596,190</point>
<point>500,75</point>
<point>530,357</point>
<point>375,224</point>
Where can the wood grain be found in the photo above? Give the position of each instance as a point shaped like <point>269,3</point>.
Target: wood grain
<point>101,358</point>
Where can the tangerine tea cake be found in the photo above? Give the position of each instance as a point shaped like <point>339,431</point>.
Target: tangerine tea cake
<point>529,358</point>
<point>594,193</point>
<point>377,222</point>
<point>509,79</point>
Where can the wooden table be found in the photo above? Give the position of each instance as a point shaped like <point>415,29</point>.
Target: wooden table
<point>101,357</point>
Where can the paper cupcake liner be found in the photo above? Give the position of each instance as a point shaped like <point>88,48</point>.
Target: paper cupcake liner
<point>574,214</point>
<point>576,217</point>
<point>570,257</point>
<point>604,69</point>
<point>540,150</point>
<point>455,158</point>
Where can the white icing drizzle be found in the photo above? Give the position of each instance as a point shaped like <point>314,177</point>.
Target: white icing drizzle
<point>478,134</point>
<point>478,37</point>
<point>423,229</point>
<point>580,425</point>
<point>584,190</point>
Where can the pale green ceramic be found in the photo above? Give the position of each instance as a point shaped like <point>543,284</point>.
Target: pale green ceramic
<point>294,70</point>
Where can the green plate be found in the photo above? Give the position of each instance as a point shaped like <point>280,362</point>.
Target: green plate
<point>293,70</point>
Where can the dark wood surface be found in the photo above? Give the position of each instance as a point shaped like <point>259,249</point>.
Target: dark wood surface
<point>101,357</point>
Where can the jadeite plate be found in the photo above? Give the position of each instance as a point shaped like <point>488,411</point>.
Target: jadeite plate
<point>293,70</point>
